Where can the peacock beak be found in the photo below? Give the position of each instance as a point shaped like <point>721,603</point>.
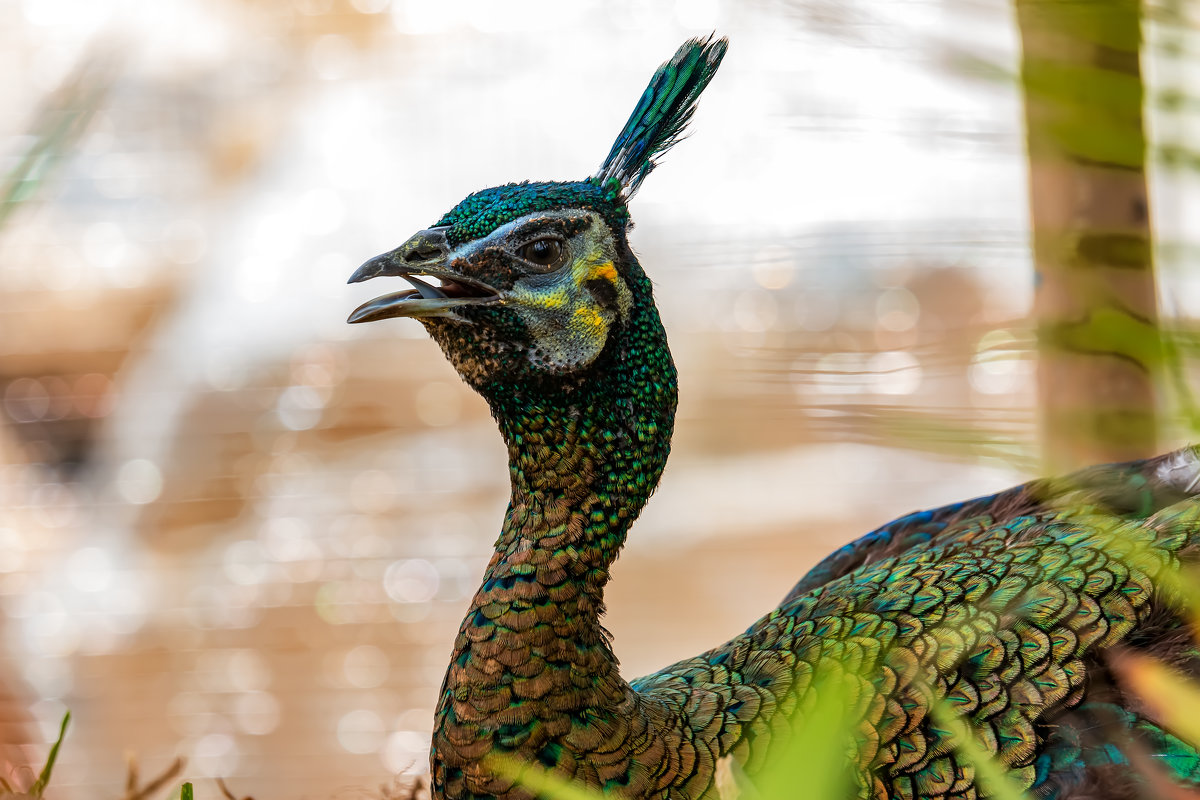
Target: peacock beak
<point>428,247</point>
<point>426,253</point>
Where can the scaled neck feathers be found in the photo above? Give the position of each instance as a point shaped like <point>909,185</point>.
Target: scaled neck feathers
<point>531,658</point>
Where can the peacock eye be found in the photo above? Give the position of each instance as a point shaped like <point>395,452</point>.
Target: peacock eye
<point>545,253</point>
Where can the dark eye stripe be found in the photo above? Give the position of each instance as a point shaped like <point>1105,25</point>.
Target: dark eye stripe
<point>604,292</point>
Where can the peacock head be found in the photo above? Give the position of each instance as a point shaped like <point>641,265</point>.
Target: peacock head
<point>533,282</point>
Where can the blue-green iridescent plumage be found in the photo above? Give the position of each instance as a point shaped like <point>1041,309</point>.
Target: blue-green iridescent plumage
<point>1006,607</point>
<point>482,212</point>
<point>662,113</point>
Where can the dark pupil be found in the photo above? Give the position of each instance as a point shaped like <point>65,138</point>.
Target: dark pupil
<point>543,251</point>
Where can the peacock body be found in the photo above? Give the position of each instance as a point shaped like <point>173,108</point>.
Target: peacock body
<point>1007,608</point>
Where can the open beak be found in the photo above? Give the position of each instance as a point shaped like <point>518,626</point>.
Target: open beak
<point>426,254</point>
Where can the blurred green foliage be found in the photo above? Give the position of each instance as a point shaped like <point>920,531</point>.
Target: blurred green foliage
<point>38,788</point>
<point>994,781</point>
<point>56,129</point>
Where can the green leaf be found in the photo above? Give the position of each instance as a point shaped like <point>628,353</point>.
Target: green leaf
<point>39,786</point>
<point>991,776</point>
<point>817,758</point>
<point>1112,330</point>
<point>60,124</point>
<point>541,781</point>
<point>1175,699</point>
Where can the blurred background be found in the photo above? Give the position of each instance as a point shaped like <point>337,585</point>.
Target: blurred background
<point>237,530</point>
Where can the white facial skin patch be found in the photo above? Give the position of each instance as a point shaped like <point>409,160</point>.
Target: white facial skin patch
<point>567,317</point>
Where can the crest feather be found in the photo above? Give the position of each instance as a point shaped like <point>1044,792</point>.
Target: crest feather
<point>661,114</point>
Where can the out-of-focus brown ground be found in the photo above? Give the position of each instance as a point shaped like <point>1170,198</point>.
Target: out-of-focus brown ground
<point>668,606</point>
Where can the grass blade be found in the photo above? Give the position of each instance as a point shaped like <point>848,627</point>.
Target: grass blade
<point>541,781</point>
<point>59,125</point>
<point>1173,697</point>
<point>991,777</point>
<point>817,758</point>
<point>39,786</point>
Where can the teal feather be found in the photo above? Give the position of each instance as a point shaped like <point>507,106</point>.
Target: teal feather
<point>481,212</point>
<point>661,115</point>
<point>1004,608</point>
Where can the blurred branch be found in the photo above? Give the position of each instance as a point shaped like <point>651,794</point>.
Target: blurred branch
<point>134,790</point>
<point>1101,354</point>
<point>937,432</point>
<point>57,127</point>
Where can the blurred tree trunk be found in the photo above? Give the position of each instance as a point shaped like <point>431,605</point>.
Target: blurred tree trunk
<point>1095,302</point>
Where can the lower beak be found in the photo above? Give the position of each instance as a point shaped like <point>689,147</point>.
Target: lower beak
<point>426,253</point>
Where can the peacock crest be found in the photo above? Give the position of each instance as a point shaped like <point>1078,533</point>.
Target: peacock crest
<point>661,115</point>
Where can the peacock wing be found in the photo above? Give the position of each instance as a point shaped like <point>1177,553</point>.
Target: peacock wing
<point>1131,489</point>
<point>1006,624</point>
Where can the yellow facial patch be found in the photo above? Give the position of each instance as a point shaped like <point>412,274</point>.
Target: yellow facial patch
<point>598,267</point>
<point>541,297</point>
<point>606,271</point>
<point>568,312</point>
<point>588,321</point>
<point>566,316</point>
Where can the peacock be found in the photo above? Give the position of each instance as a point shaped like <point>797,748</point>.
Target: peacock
<point>1008,608</point>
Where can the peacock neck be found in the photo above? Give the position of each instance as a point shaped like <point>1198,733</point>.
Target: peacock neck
<point>583,460</point>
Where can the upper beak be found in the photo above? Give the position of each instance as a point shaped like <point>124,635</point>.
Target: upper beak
<point>425,253</point>
<point>424,248</point>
